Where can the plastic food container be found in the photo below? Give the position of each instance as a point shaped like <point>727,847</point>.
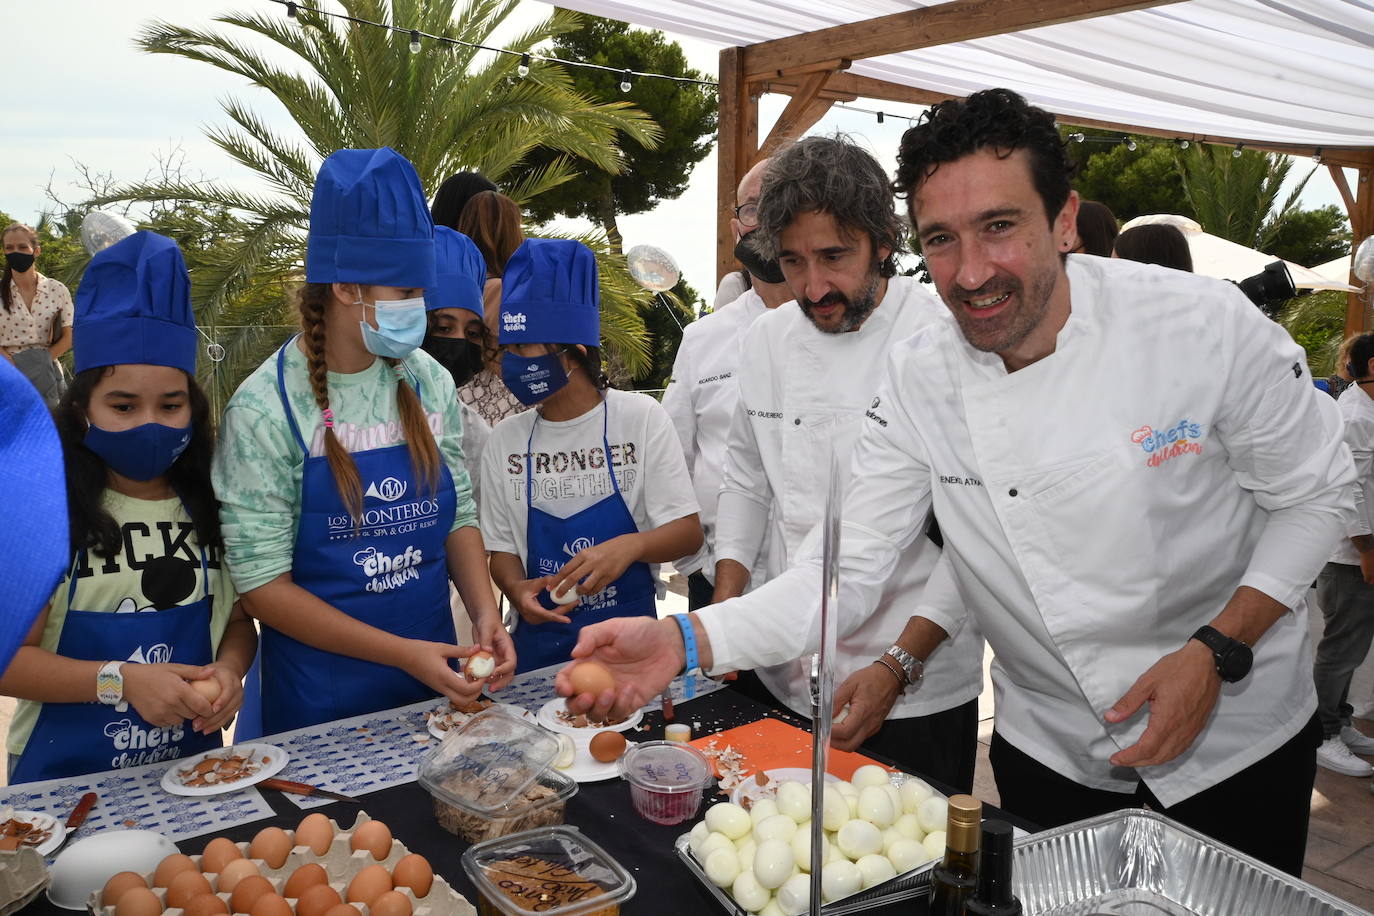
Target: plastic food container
<point>491,777</point>
<point>555,871</point>
<point>666,779</point>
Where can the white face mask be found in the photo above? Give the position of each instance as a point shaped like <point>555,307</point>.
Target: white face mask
<point>401,326</point>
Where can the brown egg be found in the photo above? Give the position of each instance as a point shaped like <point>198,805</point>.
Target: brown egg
<point>270,905</point>
<point>375,837</point>
<point>208,688</point>
<point>138,901</point>
<point>206,905</point>
<point>369,884</point>
<point>170,867</point>
<point>303,877</point>
<point>607,746</point>
<point>392,903</point>
<point>247,891</point>
<point>218,853</point>
<point>315,831</point>
<point>233,873</point>
<point>184,886</point>
<point>272,845</point>
<point>343,909</point>
<point>118,884</point>
<point>590,677</point>
<point>414,872</point>
<point>317,900</point>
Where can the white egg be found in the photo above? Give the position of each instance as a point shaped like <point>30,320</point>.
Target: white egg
<point>895,796</point>
<point>721,867</point>
<point>748,893</point>
<point>853,801</point>
<point>847,788</point>
<point>771,908</point>
<point>795,895</point>
<point>764,807</point>
<point>875,807</point>
<point>836,808</point>
<point>801,849</point>
<point>840,879</point>
<point>794,800</point>
<point>566,595</point>
<point>933,814</point>
<point>713,842</point>
<point>913,792</point>
<point>870,774</point>
<point>729,819</point>
<point>697,836</point>
<point>891,835</point>
<point>777,827</point>
<point>876,869</point>
<point>773,863</point>
<point>835,853</point>
<point>907,854</point>
<point>858,838</point>
<point>909,826</point>
<point>934,844</point>
<point>745,849</point>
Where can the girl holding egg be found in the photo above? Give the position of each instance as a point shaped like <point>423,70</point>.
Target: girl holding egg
<point>582,493</point>
<point>140,654</point>
<point>345,503</point>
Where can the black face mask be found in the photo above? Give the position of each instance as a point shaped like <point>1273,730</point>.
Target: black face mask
<point>19,261</point>
<point>759,267</point>
<point>462,358</point>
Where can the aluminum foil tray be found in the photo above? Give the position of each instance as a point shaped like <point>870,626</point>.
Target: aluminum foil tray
<point>1140,863</point>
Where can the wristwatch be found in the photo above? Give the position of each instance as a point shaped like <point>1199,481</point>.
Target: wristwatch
<point>914,668</point>
<point>1233,657</point>
<point>109,686</point>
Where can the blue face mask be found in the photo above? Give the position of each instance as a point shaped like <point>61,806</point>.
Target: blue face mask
<point>532,379</point>
<point>141,453</point>
<point>401,327</point>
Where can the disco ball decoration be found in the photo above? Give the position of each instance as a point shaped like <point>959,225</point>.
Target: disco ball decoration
<point>1364,260</point>
<point>652,268</point>
<point>101,229</point>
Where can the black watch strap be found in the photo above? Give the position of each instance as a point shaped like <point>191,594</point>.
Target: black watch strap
<point>1233,658</point>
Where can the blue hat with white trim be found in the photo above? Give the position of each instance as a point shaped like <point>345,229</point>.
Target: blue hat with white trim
<point>134,307</point>
<point>462,272</point>
<point>550,294</point>
<point>369,222</point>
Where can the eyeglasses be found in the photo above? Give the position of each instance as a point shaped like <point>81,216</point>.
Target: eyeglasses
<point>748,214</point>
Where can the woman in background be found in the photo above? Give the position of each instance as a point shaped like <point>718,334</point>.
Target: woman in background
<point>36,321</point>
<point>1155,243</point>
<point>492,221</point>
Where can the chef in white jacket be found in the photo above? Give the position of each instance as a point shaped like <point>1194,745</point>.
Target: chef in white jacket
<point>813,368</point>
<point>704,390</point>
<point>1135,487</point>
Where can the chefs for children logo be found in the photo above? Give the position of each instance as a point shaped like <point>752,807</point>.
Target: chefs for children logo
<point>1163,445</point>
<point>134,745</point>
<point>389,490</point>
<point>385,572</point>
<point>513,321</point>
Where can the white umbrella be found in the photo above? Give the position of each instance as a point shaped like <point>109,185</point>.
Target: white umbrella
<point>1337,272</point>
<point>1214,256</point>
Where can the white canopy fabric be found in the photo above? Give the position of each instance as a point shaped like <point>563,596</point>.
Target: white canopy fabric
<point>1337,271</point>
<point>1297,72</point>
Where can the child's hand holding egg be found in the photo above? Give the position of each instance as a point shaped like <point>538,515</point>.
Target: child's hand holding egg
<point>479,665</point>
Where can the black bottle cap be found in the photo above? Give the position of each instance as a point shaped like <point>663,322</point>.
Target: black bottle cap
<point>994,869</point>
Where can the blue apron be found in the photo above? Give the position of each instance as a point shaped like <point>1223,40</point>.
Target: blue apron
<point>71,739</point>
<point>391,573</point>
<point>551,542</point>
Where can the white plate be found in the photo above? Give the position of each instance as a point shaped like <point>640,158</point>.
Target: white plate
<point>519,712</point>
<point>585,767</point>
<point>42,822</point>
<point>754,792</point>
<point>276,761</point>
<point>548,717</point>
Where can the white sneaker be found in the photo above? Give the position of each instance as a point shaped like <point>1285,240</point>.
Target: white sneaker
<point>1334,755</point>
<point>1356,740</point>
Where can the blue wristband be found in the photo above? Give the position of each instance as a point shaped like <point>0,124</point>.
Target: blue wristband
<point>689,644</point>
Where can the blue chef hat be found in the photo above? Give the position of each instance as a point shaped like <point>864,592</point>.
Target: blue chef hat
<point>369,222</point>
<point>462,271</point>
<point>549,294</point>
<point>134,307</point>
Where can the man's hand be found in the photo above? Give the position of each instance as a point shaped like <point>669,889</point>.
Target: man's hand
<point>1181,688</point>
<point>428,663</point>
<point>493,637</point>
<point>1367,566</point>
<point>227,704</point>
<point>642,654</point>
<point>732,578</point>
<point>162,695</point>
<point>869,693</point>
<point>524,597</point>
<point>598,566</point>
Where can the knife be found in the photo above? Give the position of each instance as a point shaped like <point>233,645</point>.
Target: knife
<point>76,819</point>
<point>300,788</point>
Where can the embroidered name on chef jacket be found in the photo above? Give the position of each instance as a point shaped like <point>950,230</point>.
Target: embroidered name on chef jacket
<point>1161,445</point>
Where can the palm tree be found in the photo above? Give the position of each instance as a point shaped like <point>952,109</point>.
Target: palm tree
<point>445,109</point>
<point>1237,197</point>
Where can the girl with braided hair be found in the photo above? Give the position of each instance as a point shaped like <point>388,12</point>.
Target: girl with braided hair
<point>346,506</point>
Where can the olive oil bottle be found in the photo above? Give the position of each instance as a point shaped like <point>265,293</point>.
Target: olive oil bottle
<point>954,879</point>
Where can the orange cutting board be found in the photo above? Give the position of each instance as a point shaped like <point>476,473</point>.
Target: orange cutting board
<point>771,743</point>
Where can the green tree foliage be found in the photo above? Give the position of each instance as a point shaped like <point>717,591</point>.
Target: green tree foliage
<point>1237,197</point>
<point>664,317</point>
<point>1317,323</point>
<point>686,113</point>
<point>1312,237</point>
<point>1130,182</point>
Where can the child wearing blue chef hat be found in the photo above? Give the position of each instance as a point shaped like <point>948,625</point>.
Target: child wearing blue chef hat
<point>590,487</point>
<point>345,503</point>
<point>141,651</point>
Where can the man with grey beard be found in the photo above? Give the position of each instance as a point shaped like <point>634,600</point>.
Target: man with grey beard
<point>811,372</point>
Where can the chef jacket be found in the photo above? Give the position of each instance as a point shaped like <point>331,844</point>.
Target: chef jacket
<point>1356,408</point>
<point>701,400</point>
<point>1097,506</point>
<point>803,394</point>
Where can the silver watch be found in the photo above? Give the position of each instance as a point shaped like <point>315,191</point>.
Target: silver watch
<point>915,668</point>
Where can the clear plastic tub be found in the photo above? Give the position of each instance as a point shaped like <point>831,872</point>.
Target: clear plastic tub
<point>666,779</point>
<point>541,805</point>
<point>555,871</point>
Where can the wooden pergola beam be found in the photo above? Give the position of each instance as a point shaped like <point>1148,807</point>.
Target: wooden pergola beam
<point>803,110</point>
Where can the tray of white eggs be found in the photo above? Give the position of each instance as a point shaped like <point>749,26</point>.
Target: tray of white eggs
<point>883,830</point>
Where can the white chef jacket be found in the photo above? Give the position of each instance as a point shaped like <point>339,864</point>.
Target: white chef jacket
<point>701,400</point>
<point>1357,413</point>
<point>802,394</point>
<point>1097,507</point>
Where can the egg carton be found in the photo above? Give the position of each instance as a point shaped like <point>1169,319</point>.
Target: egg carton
<point>22,878</point>
<point>340,862</point>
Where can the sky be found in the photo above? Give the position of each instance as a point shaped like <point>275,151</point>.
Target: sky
<point>80,92</point>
